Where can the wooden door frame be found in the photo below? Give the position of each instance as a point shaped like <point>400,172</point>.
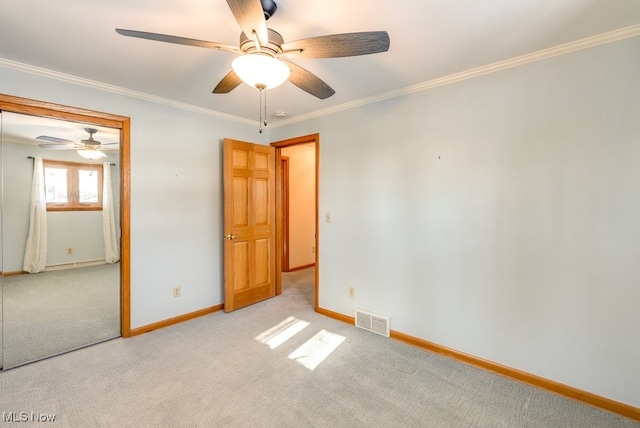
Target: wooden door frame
<point>279,145</point>
<point>15,104</point>
<point>284,203</point>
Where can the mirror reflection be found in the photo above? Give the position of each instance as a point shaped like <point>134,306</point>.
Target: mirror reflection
<point>60,236</point>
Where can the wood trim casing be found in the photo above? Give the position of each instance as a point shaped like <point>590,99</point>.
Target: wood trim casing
<point>125,221</point>
<point>15,104</point>
<point>317,270</point>
<point>311,138</point>
<point>59,111</point>
<point>175,320</point>
<point>585,397</point>
<point>283,216</point>
<point>293,269</point>
<point>279,223</point>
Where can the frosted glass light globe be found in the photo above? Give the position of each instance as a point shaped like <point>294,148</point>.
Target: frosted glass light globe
<point>261,70</point>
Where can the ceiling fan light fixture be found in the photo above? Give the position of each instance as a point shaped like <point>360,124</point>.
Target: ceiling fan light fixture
<point>91,154</point>
<point>261,70</point>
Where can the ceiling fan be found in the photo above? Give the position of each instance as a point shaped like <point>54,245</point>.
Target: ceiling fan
<point>87,148</point>
<point>263,51</point>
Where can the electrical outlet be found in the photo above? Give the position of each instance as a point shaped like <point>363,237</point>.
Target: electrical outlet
<point>327,217</point>
<point>176,291</point>
<point>69,250</point>
<point>352,292</point>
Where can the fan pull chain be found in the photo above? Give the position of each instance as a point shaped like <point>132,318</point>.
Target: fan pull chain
<point>261,89</point>
<point>260,110</point>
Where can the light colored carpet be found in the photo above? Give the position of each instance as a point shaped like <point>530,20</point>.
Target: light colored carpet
<point>212,372</point>
<point>54,311</point>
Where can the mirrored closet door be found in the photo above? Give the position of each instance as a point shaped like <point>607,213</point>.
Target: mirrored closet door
<point>60,234</point>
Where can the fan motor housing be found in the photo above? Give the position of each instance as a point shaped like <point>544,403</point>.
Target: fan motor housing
<point>90,142</point>
<point>273,47</point>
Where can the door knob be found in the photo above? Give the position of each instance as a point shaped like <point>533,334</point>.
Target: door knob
<point>230,236</point>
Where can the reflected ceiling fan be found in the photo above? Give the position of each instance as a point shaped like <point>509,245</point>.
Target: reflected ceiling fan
<point>262,62</point>
<point>87,148</point>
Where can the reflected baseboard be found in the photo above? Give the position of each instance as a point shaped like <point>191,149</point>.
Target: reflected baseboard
<point>75,265</point>
<point>61,266</point>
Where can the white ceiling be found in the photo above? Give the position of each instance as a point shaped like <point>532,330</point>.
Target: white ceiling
<point>429,39</point>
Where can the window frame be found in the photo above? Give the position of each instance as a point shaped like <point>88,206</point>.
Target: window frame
<point>73,185</point>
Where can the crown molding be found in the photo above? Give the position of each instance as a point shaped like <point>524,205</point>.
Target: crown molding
<point>600,39</point>
<point>39,71</point>
<point>589,42</point>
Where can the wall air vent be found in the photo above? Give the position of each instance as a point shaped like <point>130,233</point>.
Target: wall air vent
<point>373,322</point>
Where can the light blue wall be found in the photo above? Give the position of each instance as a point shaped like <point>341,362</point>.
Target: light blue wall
<point>498,216</point>
<point>176,193</point>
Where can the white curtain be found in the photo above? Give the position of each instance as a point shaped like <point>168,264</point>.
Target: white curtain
<point>111,253</point>
<point>35,255</point>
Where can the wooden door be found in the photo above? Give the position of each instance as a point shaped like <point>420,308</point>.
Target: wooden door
<point>249,224</point>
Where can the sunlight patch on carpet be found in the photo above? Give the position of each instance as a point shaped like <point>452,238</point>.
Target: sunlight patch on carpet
<point>282,332</point>
<point>315,350</point>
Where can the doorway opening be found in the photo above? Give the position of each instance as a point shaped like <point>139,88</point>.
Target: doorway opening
<point>297,238</point>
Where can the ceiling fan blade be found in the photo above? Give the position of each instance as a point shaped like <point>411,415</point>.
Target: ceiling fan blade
<point>176,39</point>
<point>339,45</point>
<point>54,140</point>
<point>309,82</point>
<point>250,16</point>
<point>228,83</point>
<point>58,146</point>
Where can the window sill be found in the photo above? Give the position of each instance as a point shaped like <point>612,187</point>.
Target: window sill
<point>74,208</point>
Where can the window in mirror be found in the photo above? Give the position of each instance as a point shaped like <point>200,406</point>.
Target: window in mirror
<point>73,186</point>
